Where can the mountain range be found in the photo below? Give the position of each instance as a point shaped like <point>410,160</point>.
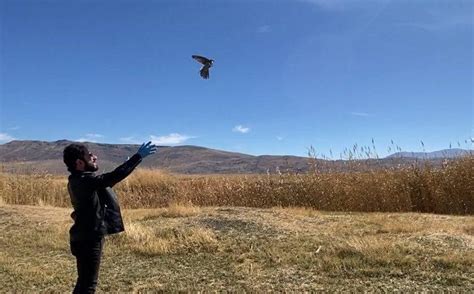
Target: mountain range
<point>41,156</point>
<point>447,153</point>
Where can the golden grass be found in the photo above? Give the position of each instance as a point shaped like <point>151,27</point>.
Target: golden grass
<point>38,189</point>
<point>176,209</point>
<point>246,249</point>
<point>149,242</point>
<point>297,211</point>
<point>447,190</point>
<point>145,240</point>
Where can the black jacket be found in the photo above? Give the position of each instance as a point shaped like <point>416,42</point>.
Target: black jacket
<point>96,208</point>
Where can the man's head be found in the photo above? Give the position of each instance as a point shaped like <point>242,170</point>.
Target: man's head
<point>78,158</point>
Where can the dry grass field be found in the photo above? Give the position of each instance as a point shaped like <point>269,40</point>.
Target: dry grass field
<point>407,229</point>
<point>187,248</point>
<point>419,188</point>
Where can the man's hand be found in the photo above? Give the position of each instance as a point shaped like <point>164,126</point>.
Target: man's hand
<point>147,149</point>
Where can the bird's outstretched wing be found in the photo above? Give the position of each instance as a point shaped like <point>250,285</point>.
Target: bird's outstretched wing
<point>201,59</point>
<point>204,72</point>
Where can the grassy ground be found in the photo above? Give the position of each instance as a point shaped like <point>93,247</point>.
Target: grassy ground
<point>244,249</point>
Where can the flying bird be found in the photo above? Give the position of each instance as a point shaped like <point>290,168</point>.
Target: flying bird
<point>206,64</point>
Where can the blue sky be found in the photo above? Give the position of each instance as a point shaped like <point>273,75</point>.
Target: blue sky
<point>287,74</point>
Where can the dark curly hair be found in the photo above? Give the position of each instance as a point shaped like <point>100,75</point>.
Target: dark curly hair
<point>73,152</point>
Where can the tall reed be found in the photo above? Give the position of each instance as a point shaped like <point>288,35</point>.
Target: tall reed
<point>448,189</point>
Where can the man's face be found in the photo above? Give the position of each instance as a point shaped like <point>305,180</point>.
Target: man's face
<point>90,161</point>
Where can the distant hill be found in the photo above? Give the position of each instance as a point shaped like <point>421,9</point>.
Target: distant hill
<point>446,153</point>
<point>41,156</point>
<point>23,156</point>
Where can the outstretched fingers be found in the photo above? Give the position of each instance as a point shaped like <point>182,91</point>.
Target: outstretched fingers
<point>153,148</point>
<point>147,149</point>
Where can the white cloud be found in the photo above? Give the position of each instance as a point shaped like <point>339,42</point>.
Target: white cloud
<point>90,138</point>
<point>94,136</point>
<point>433,26</point>
<point>241,129</point>
<point>264,29</point>
<point>130,140</point>
<point>14,128</point>
<point>360,114</point>
<point>171,139</point>
<point>279,138</point>
<point>441,20</point>
<point>4,137</point>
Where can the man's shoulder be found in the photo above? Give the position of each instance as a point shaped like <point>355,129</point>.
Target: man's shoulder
<point>82,181</point>
<point>82,176</point>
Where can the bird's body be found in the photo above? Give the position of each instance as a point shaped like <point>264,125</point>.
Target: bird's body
<point>206,65</point>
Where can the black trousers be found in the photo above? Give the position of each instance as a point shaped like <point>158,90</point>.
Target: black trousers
<point>88,254</point>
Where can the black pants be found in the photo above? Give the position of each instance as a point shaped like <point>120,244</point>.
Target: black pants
<point>88,254</point>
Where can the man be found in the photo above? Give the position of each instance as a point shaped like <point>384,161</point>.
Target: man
<point>96,208</point>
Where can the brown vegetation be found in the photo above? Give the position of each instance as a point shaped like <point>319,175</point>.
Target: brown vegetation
<point>418,188</point>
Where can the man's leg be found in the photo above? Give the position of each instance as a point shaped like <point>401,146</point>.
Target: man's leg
<point>88,254</point>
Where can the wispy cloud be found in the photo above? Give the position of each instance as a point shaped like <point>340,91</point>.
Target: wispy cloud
<point>14,128</point>
<point>440,21</point>
<point>94,136</point>
<point>327,4</point>
<point>171,139</point>
<point>4,137</point>
<point>363,114</point>
<point>280,138</point>
<point>264,29</point>
<point>431,26</point>
<point>241,129</point>
<point>90,138</point>
<point>130,140</point>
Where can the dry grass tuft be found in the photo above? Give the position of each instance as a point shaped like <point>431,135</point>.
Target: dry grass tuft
<point>469,229</point>
<point>176,209</point>
<point>150,241</point>
<point>34,189</point>
<point>300,211</point>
